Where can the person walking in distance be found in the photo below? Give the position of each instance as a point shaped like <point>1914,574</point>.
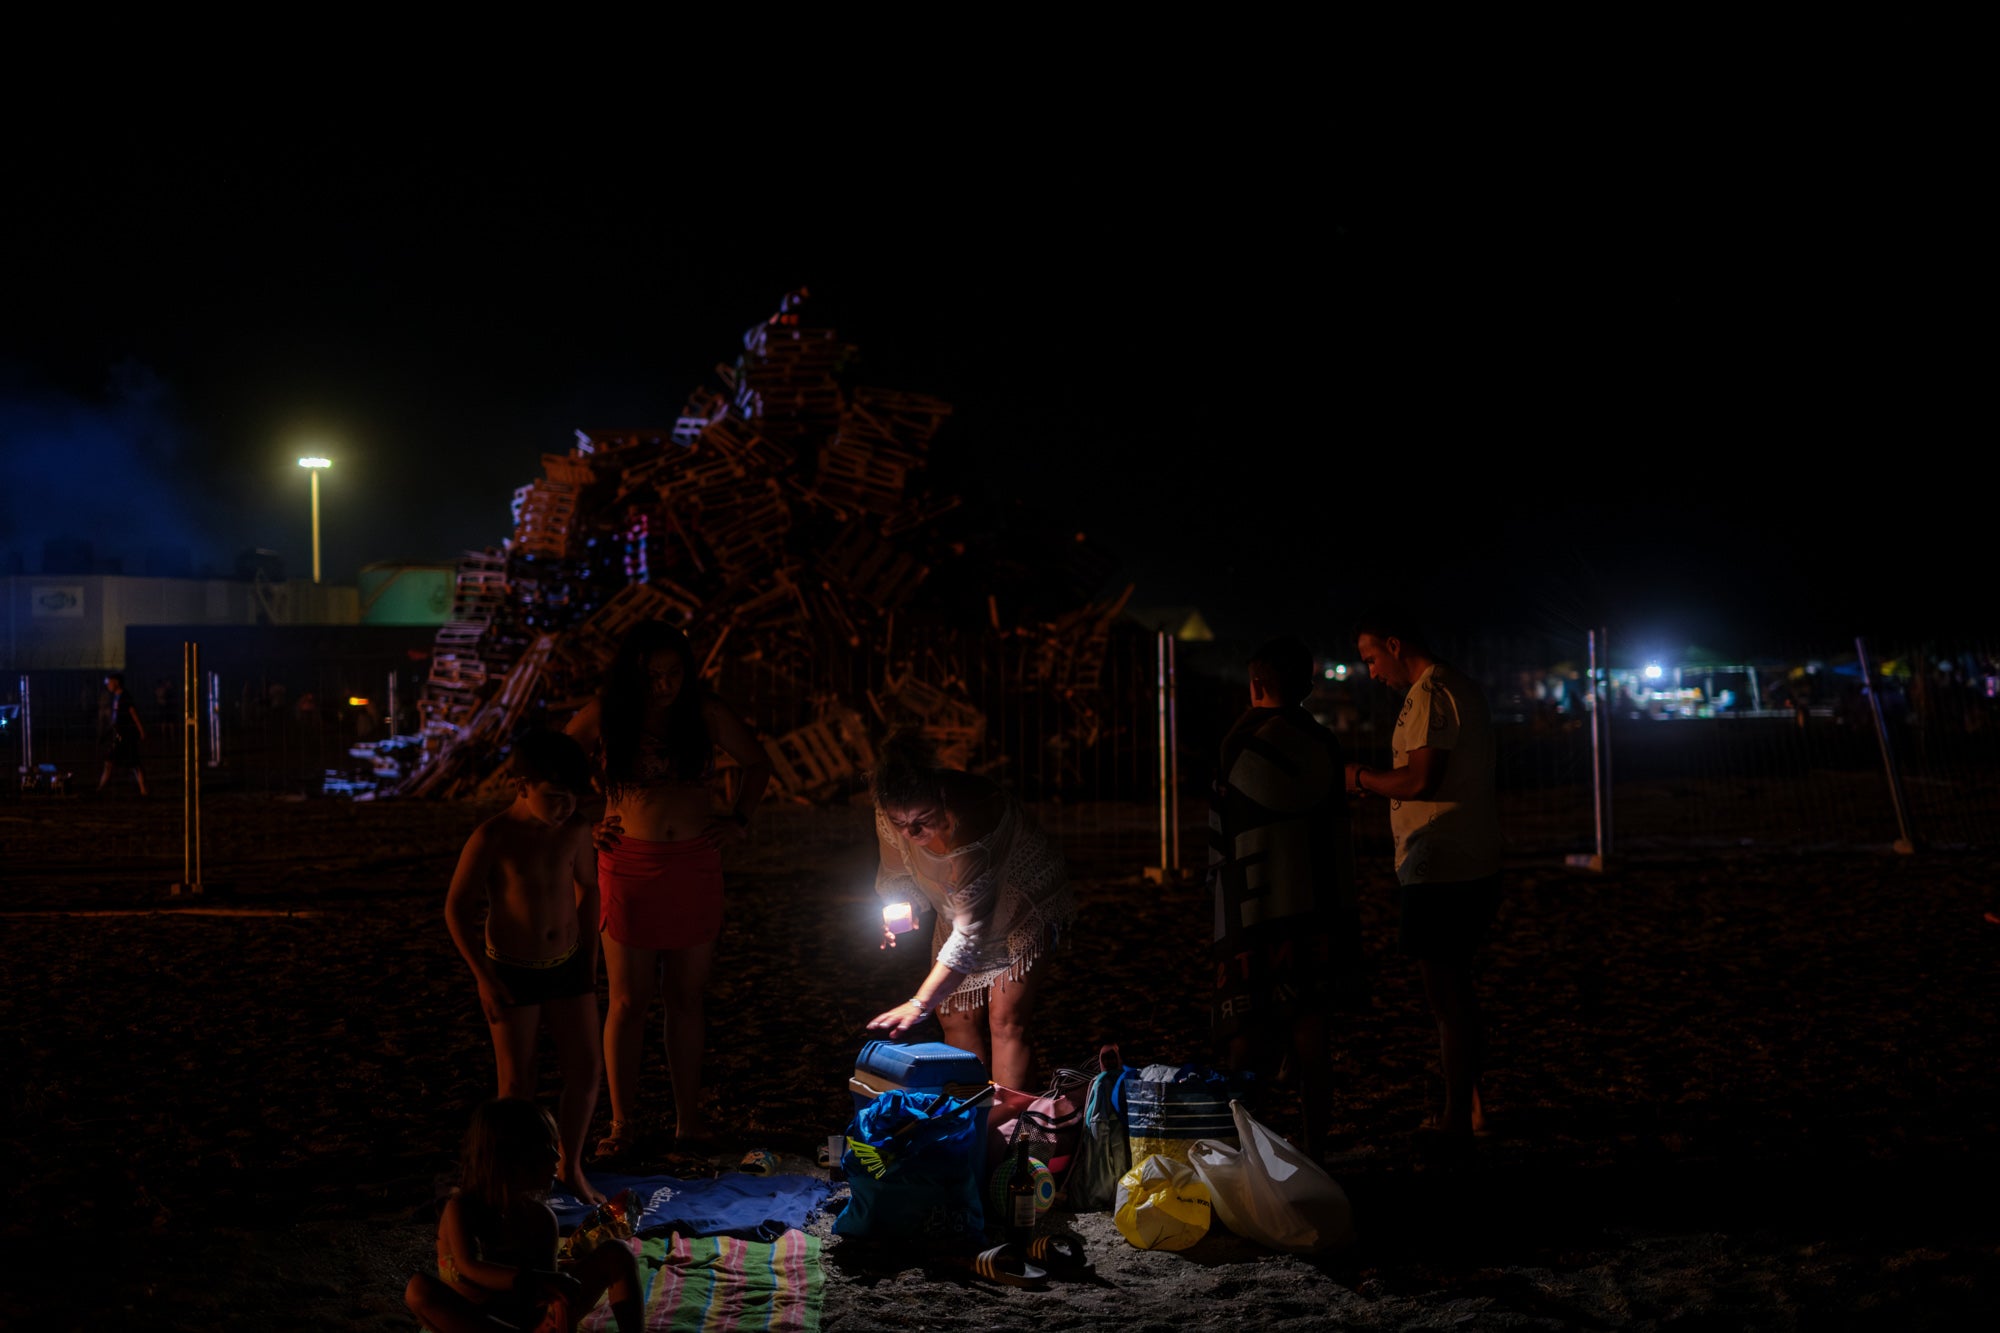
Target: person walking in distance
<point>122,749</point>
<point>1443,812</point>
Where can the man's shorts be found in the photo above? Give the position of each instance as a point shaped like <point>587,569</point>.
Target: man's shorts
<point>538,985</point>
<point>1448,922</point>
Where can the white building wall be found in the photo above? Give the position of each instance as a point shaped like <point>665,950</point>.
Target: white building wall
<point>60,622</point>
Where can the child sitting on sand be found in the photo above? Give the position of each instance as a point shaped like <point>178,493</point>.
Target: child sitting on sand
<point>530,875</point>
<point>497,1238</point>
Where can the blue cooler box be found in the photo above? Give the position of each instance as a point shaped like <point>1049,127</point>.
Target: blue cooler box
<point>918,1066</point>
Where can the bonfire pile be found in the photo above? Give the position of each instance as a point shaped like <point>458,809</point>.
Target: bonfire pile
<point>781,522</point>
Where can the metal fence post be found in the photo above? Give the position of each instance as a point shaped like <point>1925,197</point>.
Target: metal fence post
<point>190,880</point>
<point>27,730</point>
<point>215,719</point>
<point>1907,843</point>
<point>1610,711</point>
<point>1594,861</point>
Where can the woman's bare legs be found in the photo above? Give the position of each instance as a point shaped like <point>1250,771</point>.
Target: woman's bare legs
<point>966,1029</point>
<point>685,977</point>
<point>1009,1005</point>
<point>632,973</point>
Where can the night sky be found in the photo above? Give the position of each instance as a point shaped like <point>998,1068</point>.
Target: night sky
<point>1701,378</point>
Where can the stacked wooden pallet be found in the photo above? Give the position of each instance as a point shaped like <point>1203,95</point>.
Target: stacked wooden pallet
<point>782,521</point>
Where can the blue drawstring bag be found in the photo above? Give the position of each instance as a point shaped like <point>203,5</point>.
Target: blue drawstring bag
<point>912,1164</point>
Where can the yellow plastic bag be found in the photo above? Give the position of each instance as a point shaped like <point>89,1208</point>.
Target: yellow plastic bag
<point>1162,1205</point>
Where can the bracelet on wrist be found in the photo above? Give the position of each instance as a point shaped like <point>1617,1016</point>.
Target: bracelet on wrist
<point>923,1011</point>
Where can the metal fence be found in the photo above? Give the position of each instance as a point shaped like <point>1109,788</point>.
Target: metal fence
<point>1806,768</point>
<point>282,738</point>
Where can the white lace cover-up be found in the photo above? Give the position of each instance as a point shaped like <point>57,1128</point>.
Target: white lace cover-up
<point>1001,902</point>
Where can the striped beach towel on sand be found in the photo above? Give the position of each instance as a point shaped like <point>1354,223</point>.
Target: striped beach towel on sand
<point>719,1284</point>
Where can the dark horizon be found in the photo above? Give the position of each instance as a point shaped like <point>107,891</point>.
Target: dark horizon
<point>1676,392</point>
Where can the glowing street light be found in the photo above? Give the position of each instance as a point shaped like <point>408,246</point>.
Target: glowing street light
<point>315,466</point>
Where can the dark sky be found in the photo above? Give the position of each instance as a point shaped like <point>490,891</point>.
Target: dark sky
<point>1700,377</point>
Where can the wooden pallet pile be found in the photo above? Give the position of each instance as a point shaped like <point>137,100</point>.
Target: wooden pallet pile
<point>944,716</point>
<point>826,756</point>
<point>782,521</point>
<point>468,655</point>
<point>1068,654</point>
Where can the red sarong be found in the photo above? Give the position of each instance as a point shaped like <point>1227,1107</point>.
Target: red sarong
<point>660,895</point>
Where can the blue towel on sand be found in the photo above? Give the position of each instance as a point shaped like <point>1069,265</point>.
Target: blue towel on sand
<point>734,1204</point>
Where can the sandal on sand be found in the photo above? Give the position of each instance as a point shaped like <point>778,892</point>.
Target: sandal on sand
<point>1007,1265</point>
<point>621,1139</point>
<point>1062,1256</point>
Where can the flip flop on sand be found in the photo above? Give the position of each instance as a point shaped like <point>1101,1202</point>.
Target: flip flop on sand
<point>1062,1256</point>
<point>1006,1264</point>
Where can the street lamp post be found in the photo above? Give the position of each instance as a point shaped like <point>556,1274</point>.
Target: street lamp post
<point>314,466</point>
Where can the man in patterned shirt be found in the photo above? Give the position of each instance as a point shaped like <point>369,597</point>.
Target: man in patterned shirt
<point>1443,812</point>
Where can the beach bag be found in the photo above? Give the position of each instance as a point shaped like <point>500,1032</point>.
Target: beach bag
<point>1103,1153</point>
<point>1167,1108</point>
<point>1051,1123</point>
<point>1162,1205</point>
<point>912,1163</point>
<point>1270,1192</point>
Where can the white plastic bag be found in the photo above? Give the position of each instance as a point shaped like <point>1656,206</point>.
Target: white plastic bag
<point>1270,1192</point>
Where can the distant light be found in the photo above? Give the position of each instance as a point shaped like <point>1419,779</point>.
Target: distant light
<point>1339,671</point>
<point>1330,675</point>
<point>315,462</point>
<point>353,702</point>
<point>1653,671</point>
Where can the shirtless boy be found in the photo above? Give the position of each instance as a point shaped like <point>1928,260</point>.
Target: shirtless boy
<point>530,875</point>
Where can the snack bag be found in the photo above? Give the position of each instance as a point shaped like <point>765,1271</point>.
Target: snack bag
<point>612,1220</point>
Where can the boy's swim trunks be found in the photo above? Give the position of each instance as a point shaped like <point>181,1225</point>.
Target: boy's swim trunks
<point>558,979</point>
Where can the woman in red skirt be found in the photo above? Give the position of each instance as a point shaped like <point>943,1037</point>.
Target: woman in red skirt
<point>653,731</point>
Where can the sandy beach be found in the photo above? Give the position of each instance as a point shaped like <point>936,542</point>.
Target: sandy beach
<point>1736,1088</point>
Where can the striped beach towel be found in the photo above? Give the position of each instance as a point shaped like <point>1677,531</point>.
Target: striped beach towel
<point>719,1284</point>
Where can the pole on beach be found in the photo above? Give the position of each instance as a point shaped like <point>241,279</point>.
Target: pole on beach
<point>1906,844</point>
<point>1173,755</point>
<point>393,704</point>
<point>1610,710</point>
<point>27,731</point>
<point>1158,873</point>
<point>1168,870</point>
<point>215,719</point>
<point>1582,860</point>
<point>190,880</point>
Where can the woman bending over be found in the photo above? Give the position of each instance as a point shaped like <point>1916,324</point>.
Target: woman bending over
<point>1000,891</point>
